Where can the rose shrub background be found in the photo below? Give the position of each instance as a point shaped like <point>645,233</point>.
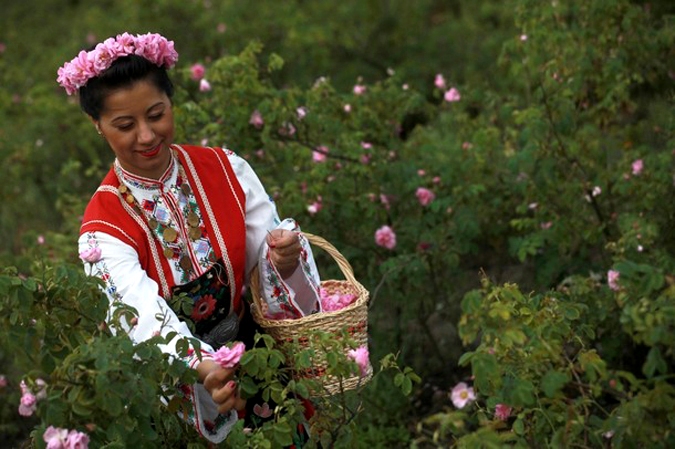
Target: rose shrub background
<point>511,217</point>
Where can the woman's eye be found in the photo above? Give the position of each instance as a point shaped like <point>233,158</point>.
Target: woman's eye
<point>125,127</point>
<point>156,116</point>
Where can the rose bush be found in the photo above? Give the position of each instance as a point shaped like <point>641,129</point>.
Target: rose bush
<point>497,173</point>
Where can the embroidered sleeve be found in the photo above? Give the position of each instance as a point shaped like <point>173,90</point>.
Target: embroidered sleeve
<point>291,298</point>
<point>261,212</point>
<point>126,283</point>
<point>296,296</point>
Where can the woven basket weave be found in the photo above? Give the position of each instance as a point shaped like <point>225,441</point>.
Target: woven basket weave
<point>352,319</point>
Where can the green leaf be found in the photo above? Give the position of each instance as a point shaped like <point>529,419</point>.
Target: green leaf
<point>654,363</point>
<point>248,386</point>
<point>553,382</point>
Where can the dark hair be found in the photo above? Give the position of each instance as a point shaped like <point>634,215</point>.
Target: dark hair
<point>122,73</point>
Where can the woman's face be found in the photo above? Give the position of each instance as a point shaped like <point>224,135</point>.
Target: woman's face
<point>137,122</point>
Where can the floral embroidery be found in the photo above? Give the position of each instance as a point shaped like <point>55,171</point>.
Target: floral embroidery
<point>170,200</point>
<point>100,269</point>
<point>203,307</point>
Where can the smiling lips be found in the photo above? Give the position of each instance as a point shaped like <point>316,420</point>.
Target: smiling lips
<point>153,152</point>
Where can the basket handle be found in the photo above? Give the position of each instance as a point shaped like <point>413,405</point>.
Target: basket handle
<point>325,245</point>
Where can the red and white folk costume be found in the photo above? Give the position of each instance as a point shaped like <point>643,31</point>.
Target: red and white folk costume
<point>140,267</point>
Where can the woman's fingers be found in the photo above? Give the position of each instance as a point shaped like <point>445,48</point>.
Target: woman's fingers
<point>226,397</point>
<point>285,249</point>
<point>224,393</point>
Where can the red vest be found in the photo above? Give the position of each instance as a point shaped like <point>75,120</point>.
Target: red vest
<point>222,204</point>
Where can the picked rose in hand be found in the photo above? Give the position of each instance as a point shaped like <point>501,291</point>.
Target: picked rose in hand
<point>229,357</point>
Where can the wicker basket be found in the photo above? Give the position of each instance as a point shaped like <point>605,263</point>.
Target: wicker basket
<point>352,319</point>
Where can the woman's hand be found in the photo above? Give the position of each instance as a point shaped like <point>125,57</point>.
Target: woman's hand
<point>220,384</point>
<point>284,251</point>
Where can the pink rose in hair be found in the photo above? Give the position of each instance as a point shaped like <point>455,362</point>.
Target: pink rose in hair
<point>360,356</point>
<point>229,357</point>
<point>126,43</point>
<point>385,237</point>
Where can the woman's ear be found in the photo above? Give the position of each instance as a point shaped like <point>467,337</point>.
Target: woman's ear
<point>96,125</point>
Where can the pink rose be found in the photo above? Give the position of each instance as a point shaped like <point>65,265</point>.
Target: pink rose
<point>287,129</point>
<point>425,196</point>
<point>347,108</point>
<point>28,404</point>
<point>461,395</point>
<point>229,357</point>
<point>77,440</point>
<point>315,207</point>
<point>28,400</point>
<point>3,381</point>
<point>91,255</point>
<point>613,280</point>
<point>360,356</point>
<point>637,167</point>
<point>204,86</point>
<point>256,119</point>
<point>197,72</point>
<point>385,237</point>
<point>384,199</point>
<point>319,155</point>
<point>302,112</point>
<point>336,301</point>
<point>359,89</point>
<point>439,81</point>
<point>452,95</point>
<point>502,412</point>
<point>55,437</point>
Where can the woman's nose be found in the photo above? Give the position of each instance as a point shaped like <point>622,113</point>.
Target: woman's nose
<point>145,133</point>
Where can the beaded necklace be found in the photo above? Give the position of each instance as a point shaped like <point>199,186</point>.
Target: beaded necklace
<point>170,234</point>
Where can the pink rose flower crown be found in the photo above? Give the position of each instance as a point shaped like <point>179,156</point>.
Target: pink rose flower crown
<point>90,64</point>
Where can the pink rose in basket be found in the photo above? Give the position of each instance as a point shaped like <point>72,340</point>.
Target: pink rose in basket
<point>229,357</point>
<point>336,301</point>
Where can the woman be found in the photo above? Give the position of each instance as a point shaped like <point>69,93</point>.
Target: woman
<point>170,219</point>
